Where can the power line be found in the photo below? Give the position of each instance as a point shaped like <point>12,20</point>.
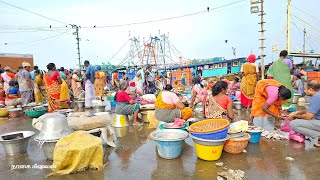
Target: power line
<point>33,13</point>
<point>169,18</point>
<point>30,42</point>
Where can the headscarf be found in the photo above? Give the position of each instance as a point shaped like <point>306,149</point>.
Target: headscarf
<point>251,58</point>
<point>297,75</point>
<point>99,68</point>
<point>26,64</point>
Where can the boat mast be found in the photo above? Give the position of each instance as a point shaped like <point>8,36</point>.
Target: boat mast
<point>288,25</point>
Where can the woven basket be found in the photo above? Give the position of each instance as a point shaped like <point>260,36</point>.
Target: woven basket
<point>236,145</point>
<point>209,125</point>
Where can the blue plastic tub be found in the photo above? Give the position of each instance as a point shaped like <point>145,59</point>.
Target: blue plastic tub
<point>255,137</point>
<point>169,142</point>
<point>169,150</point>
<point>113,104</point>
<point>221,134</point>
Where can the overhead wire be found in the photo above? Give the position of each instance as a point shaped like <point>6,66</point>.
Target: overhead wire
<point>33,13</point>
<point>314,27</point>
<point>30,42</point>
<point>168,18</point>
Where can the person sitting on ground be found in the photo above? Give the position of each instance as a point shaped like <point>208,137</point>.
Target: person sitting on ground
<point>268,98</point>
<point>308,122</point>
<point>13,95</point>
<point>169,106</point>
<point>124,104</point>
<point>218,105</point>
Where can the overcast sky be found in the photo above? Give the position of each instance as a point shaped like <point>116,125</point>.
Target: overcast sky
<point>199,36</point>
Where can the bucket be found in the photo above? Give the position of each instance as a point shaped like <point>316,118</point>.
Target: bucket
<point>169,142</point>
<point>208,153</point>
<point>121,131</point>
<point>255,137</point>
<point>208,150</point>
<point>48,149</point>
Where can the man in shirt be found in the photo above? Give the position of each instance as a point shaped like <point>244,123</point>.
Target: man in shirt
<point>25,84</point>
<point>308,122</point>
<point>89,85</point>
<point>35,68</point>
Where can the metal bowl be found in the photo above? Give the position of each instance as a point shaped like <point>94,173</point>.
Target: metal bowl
<point>48,149</point>
<point>97,109</point>
<point>16,145</point>
<point>295,98</point>
<point>237,105</point>
<point>80,104</point>
<point>13,113</point>
<point>54,127</point>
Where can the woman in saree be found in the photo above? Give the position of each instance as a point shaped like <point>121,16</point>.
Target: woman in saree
<point>280,70</point>
<point>7,76</point>
<point>169,106</point>
<point>38,83</point>
<point>99,82</point>
<point>268,98</point>
<point>218,105</point>
<point>124,104</point>
<point>53,83</point>
<point>76,83</point>
<point>199,93</point>
<point>250,75</point>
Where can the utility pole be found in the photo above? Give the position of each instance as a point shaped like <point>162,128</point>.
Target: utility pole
<point>262,38</point>
<point>78,42</point>
<point>288,26</point>
<point>304,45</point>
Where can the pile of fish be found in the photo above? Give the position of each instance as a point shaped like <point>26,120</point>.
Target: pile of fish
<point>231,174</point>
<point>275,135</point>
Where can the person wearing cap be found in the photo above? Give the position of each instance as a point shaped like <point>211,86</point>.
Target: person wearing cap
<point>297,84</point>
<point>25,84</point>
<point>7,76</point>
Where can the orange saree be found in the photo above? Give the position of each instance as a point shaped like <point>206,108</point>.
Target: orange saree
<point>53,92</point>
<point>261,96</point>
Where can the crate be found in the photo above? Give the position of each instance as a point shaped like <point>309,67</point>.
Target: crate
<point>313,74</point>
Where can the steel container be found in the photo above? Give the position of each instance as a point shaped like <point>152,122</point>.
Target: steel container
<point>98,109</point>
<point>237,105</point>
<point>295,98</point>
<point>16,145</point>
<point>54,127</point>
<point>120,120</point>
<point>80,104</point>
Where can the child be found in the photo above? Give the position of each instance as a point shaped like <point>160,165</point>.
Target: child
<point>13,95</point>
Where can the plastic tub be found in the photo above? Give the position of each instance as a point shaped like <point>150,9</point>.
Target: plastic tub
<point>208,150</point>
<point>169,142</point>
<point>35,113</point>
<point>209,125</point>
<point>236,145</point>
<point>221,134</point>
<point>255,137</point>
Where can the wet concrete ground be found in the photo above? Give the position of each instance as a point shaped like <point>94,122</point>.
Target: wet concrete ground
<point>135,157</point>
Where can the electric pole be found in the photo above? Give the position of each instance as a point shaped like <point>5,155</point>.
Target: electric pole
<point>78,42</point>
<point>304,45</point>
<point>262,38</point>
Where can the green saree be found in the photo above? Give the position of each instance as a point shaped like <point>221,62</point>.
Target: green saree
<point>280,72</point>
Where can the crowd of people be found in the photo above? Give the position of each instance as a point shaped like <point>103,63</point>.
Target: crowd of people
<point>264,98</point>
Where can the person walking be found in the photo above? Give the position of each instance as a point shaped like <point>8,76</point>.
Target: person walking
<point>25,84</point>
<point>89,85</point>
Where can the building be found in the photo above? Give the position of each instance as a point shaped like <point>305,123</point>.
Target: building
<point>15,60</point>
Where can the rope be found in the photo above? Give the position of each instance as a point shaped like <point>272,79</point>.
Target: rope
<point>316,28</point>
<point>305,12</point>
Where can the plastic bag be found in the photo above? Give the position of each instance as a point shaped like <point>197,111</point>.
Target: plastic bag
<point>286,126</point>
<point>296,136</point>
